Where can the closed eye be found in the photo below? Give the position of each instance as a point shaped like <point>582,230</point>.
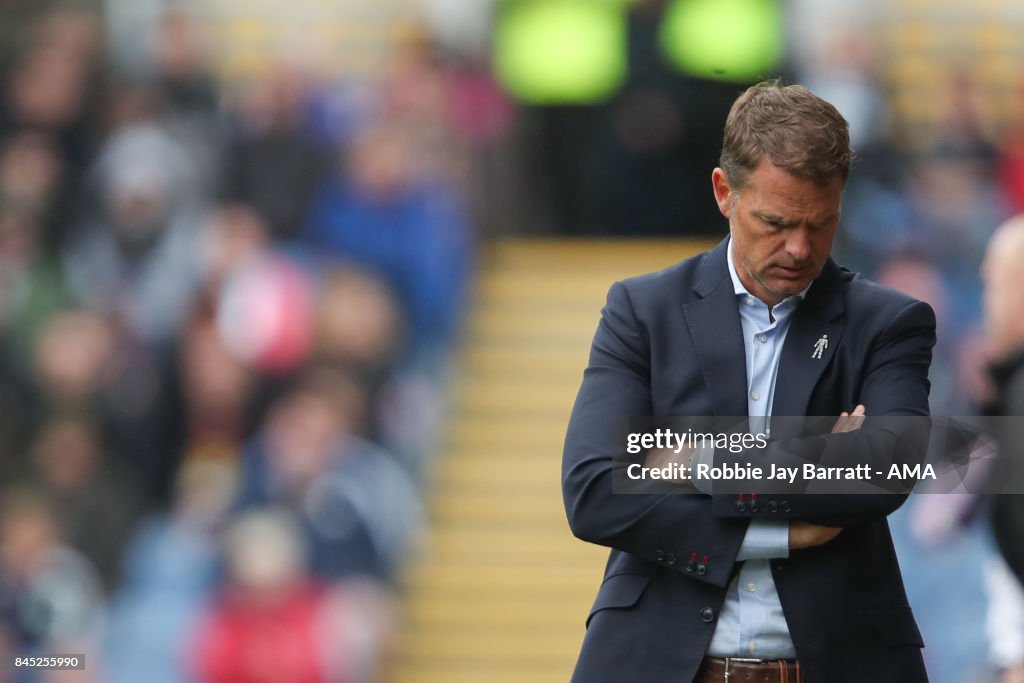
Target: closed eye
<point>774,222</point>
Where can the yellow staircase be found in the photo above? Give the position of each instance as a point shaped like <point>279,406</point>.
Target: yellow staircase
<point>501,590</point>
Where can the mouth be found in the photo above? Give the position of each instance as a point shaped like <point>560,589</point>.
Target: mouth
<point>792,273</point>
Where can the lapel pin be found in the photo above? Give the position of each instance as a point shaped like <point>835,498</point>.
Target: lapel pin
<point>820,346</point>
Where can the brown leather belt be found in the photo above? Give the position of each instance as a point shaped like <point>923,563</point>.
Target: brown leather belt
<point>739,669</point>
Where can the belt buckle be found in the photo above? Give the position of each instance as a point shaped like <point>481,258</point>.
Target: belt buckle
<point>745,660</point>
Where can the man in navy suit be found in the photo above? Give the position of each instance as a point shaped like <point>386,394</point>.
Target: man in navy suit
<point>727,587</point>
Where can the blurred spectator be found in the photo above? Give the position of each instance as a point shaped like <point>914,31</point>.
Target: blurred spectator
<point>1004,316</point>
<point>358,509</point>
<point>72,354</point>
<point>47,93</point>
<point>168,576</point>
<point>409,230</point>
<point>50,597</point>
<point>265,313</point>
<point>96,508</point>
<point>50,92</point>
<point>1004,622</point>
<point>33,193</point>
<point>217,392</point>
<point>272,622</point>
<point>81,366</point>
<point>359,327</point>
<point>274,164</point>
<point>235,235</point>
<point>136,260</point>
<point>187,97</point>
<point>916,276</point>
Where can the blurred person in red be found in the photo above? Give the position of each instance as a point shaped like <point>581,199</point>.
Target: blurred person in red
<point>272,622</point>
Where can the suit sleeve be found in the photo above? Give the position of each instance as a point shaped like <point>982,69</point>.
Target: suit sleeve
<point>894,388</point>
<point>668,529</point>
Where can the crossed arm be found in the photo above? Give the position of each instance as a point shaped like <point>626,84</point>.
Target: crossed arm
<point>617,384</point>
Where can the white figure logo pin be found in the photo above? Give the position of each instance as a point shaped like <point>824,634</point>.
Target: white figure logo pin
<point>820,346</point>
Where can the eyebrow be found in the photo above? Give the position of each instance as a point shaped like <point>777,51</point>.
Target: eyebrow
<point>783,223</point>
<point>774,220</point>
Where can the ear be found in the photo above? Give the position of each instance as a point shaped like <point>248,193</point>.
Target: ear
<point>723,193</point>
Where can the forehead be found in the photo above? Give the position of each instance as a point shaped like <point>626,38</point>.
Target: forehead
<point>770,188</point>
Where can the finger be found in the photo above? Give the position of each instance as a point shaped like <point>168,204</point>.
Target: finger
<point>858,415</point>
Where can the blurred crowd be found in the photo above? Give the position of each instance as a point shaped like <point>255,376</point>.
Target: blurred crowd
<point>226,317</point>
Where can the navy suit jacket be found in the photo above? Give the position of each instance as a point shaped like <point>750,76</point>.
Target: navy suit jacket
<point>670,344</point>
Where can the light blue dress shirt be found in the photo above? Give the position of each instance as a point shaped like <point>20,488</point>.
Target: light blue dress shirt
<point>751,623</point>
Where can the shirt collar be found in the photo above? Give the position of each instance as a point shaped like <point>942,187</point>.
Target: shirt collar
<point>740,290</point>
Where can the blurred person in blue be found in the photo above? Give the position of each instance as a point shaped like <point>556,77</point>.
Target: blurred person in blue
<point>718,587</point>
<point>168,576</point>
<point>358,508</point>
<point>408,229</point>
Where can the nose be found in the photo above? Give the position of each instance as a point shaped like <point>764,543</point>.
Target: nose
<point>798,246</point>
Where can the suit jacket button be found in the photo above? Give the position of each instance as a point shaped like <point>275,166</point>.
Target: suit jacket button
<point>773,506</point>
<point>785,506</point>
<point>707,615</point>
<point>670,559</point>
<point>740,506</point>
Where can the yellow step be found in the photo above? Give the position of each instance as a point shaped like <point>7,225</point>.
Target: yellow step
<point>500,589</point>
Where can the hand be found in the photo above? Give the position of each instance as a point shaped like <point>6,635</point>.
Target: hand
<point>848,422</point>
<point>806,535</point>
<point>660,457</point>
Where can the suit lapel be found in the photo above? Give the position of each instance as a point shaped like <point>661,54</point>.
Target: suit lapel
<point>817,318</point>
<point>714,324</point>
